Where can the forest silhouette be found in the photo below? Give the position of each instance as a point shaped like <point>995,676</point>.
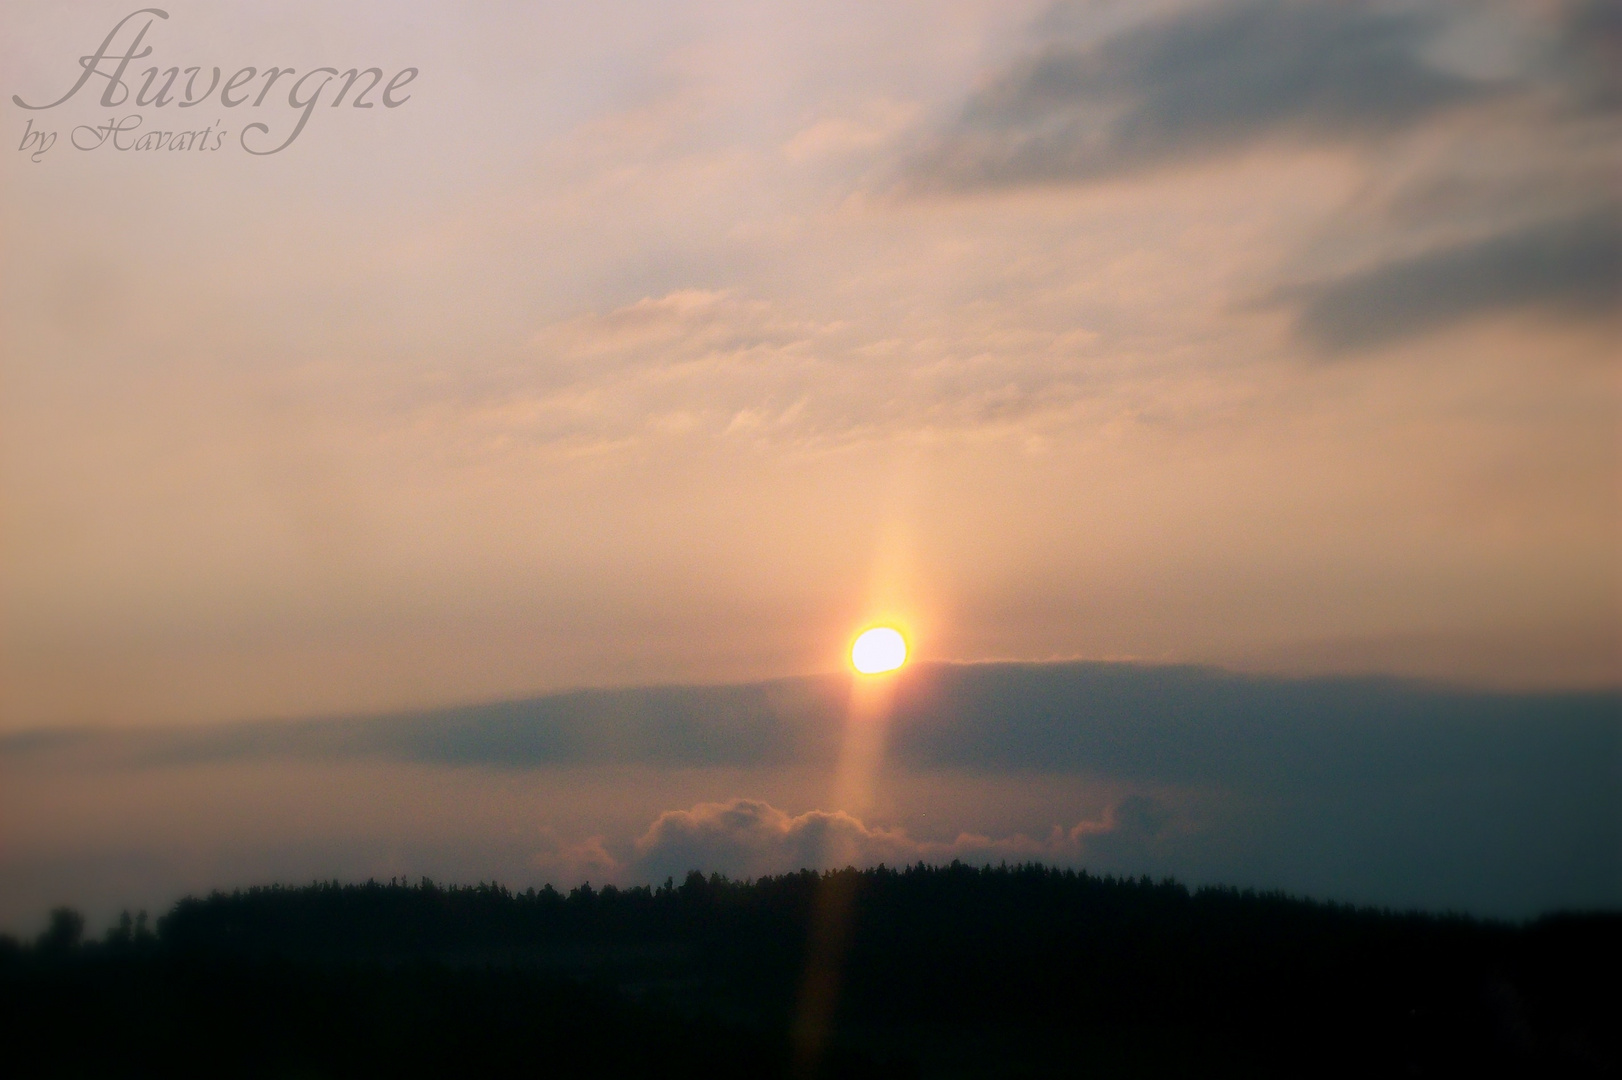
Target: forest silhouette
<point>943,971</point>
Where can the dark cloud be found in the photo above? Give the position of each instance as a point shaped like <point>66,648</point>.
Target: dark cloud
<point>1180,725</point>
<point>753,724</point>
<point>1193,725</point>
<point>1591,54</point>
<point>757,724</point>
<point>1570,266</point>
<point>1203,81</point>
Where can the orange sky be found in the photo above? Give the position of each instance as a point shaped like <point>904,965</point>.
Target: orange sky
<point>656,342</point>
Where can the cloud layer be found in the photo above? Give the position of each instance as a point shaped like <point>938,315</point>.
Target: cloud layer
<point>1176,724</point>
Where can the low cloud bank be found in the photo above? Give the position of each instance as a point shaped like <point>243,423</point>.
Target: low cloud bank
<point>1141,724</point>
<point>1365,789</point>
<point>750,837</point>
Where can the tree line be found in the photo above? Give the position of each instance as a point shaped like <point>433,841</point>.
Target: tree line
<point>942,970</point>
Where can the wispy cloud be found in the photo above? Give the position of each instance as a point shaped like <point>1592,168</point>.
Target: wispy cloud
<point>723,365</point>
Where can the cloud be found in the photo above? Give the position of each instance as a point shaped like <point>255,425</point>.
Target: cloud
<point>1591,54</point>
<point>1570,266</point>
<point>1140,723</point>
<point>1202,81</point>
<point>1496,197</point>
<point>748,838</point>
<point>1191,725</point>
<point>728,366</point>
<point>583,860</point>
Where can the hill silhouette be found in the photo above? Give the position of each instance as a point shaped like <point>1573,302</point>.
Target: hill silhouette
<point>926,971</point>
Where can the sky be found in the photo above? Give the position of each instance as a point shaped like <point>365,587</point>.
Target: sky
<point>667,344</point>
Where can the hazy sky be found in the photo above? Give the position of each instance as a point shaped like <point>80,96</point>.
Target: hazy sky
<point>671,342</point>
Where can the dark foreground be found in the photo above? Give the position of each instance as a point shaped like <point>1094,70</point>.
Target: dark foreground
<point>952,971</point>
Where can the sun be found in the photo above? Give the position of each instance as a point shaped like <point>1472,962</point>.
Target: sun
<point>878,650</point>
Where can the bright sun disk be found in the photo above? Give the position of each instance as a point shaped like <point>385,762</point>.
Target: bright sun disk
<point>878,650</point>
